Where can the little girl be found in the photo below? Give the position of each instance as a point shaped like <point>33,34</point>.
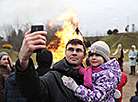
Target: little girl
<point>101,78</point>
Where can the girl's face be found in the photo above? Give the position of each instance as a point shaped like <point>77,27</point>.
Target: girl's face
<point>4,60</point>
<point>95,60</point>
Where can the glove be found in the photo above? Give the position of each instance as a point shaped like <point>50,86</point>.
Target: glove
<point>69,83</point>
<point>131,58</point>
<point>117,94</point>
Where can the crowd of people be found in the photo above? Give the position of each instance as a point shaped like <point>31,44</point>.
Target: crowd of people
<point>67,80</point>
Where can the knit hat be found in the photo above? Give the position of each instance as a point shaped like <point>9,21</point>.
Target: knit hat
<point>101,48</point>
<point>2,54</point>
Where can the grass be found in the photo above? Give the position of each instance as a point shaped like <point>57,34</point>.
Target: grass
<point>127,41</point>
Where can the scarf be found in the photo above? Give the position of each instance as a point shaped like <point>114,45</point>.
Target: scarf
<point>87,75</point>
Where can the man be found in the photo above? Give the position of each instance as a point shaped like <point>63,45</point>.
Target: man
<point>48,88</point>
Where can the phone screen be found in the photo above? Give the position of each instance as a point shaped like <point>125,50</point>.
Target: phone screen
<point>37,28</point>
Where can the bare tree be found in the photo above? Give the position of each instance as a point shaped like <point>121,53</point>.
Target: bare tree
<point>15,36</point>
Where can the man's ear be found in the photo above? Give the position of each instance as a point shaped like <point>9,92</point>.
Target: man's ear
<point>65,52</point>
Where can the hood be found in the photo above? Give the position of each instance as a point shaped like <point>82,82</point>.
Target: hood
<point>44,60</point>
<point>112,64</point>
<point>114,67</point>
<point>133,46</point>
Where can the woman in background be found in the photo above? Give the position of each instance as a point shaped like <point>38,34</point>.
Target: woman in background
<point>119,54</point>
<point>6,66</point>
<point>132,59</point>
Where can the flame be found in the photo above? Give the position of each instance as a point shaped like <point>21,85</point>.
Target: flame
<point>69,19</point>
<point>50,25</point>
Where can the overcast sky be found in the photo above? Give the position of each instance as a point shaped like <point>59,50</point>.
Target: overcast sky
<point>95,16</point>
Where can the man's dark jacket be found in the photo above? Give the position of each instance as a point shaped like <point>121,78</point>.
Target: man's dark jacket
<point>48,88</point>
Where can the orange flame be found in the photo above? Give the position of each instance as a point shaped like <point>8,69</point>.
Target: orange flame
<point>70,21</point>
<point>50,25</point>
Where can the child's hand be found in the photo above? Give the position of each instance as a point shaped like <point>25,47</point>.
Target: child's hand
<point>69,83</point>
<point>117,94</point>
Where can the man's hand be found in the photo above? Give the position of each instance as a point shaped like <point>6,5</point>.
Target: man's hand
<point>31,42</point>
<point>69,83</point>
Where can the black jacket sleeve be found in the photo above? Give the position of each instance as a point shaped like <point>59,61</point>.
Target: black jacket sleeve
<point>29,82</point>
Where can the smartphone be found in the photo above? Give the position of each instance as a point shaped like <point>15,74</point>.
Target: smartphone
<point>35,28</point>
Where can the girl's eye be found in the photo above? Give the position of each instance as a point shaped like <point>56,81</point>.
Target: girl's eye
<point>97,55</point>
<point>91,54</point>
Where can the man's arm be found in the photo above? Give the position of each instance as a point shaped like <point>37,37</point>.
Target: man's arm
<point>31,42</point>
<point>29,83</point>
<point>27,79</point>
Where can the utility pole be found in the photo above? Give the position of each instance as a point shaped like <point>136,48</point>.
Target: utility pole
<point>127,20</point>
<point>127,27</point>
<point>133,27</point>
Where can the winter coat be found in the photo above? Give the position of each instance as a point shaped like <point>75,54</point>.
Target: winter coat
<point>132,57</point>
<point>135,98</point>
<point>104,84</point>
<point>11,92</point>
<point>48,88</point>
<point>4,71</point>
<point>122,84</point>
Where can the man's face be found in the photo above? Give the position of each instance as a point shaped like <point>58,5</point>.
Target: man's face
<point>75,54</point>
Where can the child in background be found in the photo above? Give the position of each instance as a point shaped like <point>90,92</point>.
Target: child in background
<point>135,97</point>
<point>122,83</point>
<point>101,78</point>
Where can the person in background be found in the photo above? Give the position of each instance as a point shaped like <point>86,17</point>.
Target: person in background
<point>123,82</point>
<point>11,91</point>
<point>101,78</point>
<point>135,97</point>
<point>6,66</point>
<point>119,54</point>
<point>132,59</point>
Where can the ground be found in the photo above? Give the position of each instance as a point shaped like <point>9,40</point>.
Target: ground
<point>130,88</point>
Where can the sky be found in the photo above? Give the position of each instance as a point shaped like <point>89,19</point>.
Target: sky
<point>94,16</point>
